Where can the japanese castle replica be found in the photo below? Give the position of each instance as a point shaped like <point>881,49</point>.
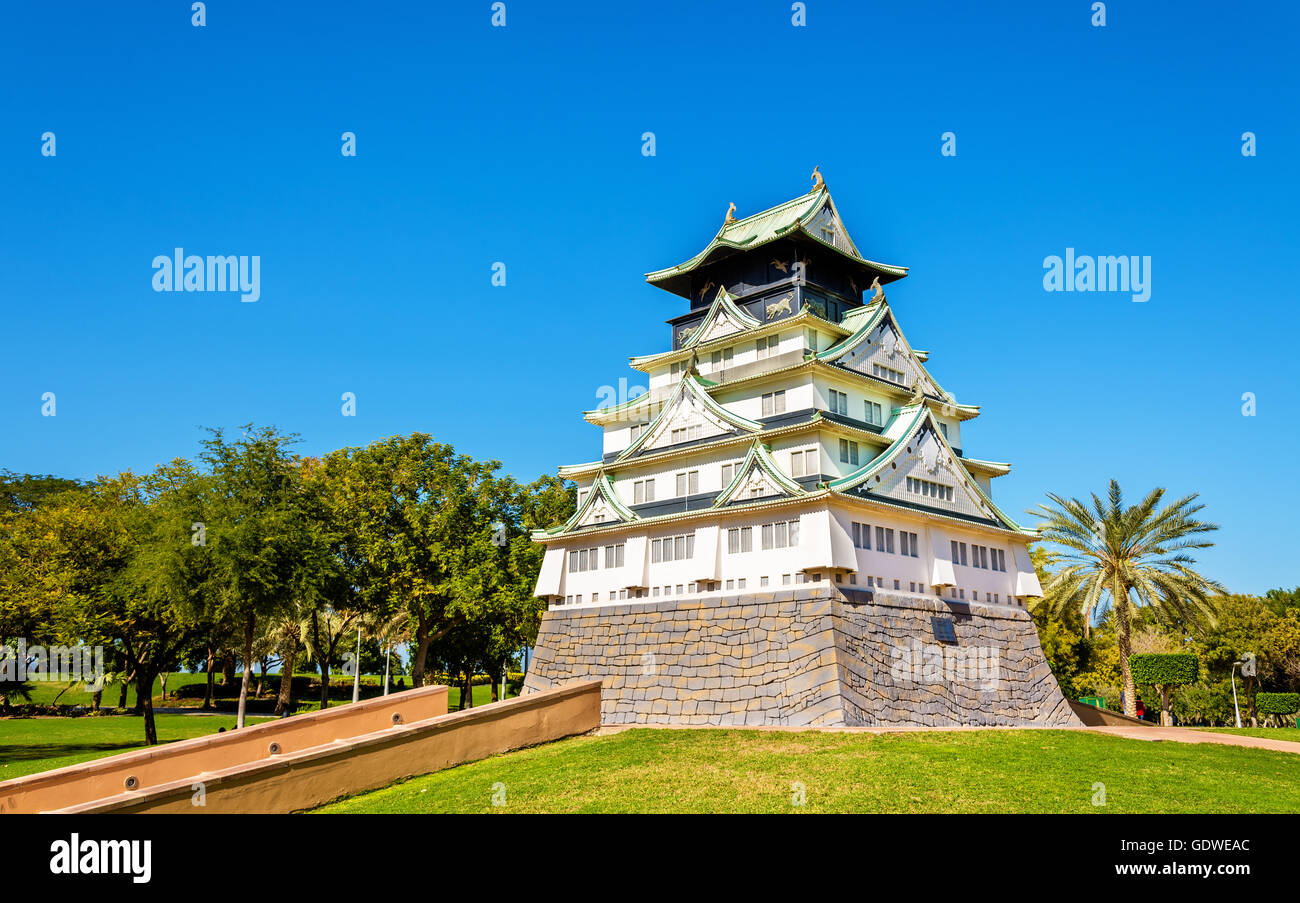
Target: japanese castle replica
<point>786,529</point>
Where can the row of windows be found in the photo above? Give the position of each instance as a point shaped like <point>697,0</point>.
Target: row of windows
<point>871,411</point>
<point>908,543</point>
<point>980,556</point>
<point>686,434</point>
<point>589,559</point>
<point>583,560</point>
<point>780,535</point>
<point>786,579</point>
<point>740,539</point>
<point>894,376</point>
<point>673,548</point>
<point>930,490</point>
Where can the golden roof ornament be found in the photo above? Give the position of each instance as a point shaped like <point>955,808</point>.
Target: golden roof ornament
<point>818,181</point>
<point>731,218</point>
<point>878,289</point>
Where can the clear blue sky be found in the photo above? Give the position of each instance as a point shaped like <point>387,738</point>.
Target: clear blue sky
<point>523,145</point>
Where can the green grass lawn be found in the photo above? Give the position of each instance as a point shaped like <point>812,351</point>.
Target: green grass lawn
<point>759,771</point>
<point>29,745</point>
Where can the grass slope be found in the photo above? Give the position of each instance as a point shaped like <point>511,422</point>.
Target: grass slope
<point>759,771</point>
<point>29,745</point>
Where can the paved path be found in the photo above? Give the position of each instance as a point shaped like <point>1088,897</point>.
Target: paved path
<point>1189,735</point>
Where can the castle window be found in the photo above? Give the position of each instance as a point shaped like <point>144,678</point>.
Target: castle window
<point>943,428</point>
<point>929,490</point>
<point>774,403</point>
<point>861,536</point>
<point>688,483</point>
<point>740,539</point>
<point>839,402</point>
<point>810,339</point>
<point>722,359</point>
<point>614,556</point>
<point>637,430</point>
<point>643,491</point>
<point>780,535</point>
<point>872,411</point>
<point>762,581</point>
<point>848,452</point>
<point>894,376</point>
<point>796,464</point>
<point>767,347</point>
<point>907,544</point>
<point>884,540</point>
<point>740,584</point>
<point>728,474</point>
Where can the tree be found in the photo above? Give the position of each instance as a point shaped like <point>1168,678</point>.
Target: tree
<point>1244,624</point>
<point>99,582</point>
<point>1164,671</point>
<point>413,524</point>
<point>1122,558</point>
<point>1278,705</point>
<point>258,535</point>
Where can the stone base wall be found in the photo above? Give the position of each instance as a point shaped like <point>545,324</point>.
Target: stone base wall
<point>809,656</point>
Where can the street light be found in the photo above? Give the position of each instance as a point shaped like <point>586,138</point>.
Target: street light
<point>1233,677</point>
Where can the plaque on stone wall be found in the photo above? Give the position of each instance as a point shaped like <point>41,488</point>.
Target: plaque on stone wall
<point>944,631</point>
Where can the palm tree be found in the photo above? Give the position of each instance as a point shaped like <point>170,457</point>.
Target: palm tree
<point>1126,558</point>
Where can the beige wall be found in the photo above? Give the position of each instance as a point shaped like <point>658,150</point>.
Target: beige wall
<point>169,762</point>
<point>318,767</point>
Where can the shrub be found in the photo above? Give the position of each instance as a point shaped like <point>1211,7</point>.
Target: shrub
<point>1277,703</point>
<point>1164,669</point>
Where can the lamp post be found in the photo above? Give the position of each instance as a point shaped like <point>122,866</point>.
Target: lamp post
<point>1232,675</point>
<point>388,654</point>
<point>356,674</point>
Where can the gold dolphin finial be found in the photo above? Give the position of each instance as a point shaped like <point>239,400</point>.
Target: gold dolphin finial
<point>818,181</point>
<point>731,218</point>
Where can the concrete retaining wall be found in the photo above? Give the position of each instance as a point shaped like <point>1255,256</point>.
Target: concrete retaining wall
<point>809,656</point>
<point>295,780</point>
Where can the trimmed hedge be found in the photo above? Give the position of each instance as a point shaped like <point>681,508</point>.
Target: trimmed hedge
<point>1164,668</point>
<point>1277,703</point>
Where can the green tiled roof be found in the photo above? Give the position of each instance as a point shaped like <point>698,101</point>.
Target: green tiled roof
<point>906,423</point>
<point>778,222</point>
<point>697,387</point>
<point>759,456</point>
